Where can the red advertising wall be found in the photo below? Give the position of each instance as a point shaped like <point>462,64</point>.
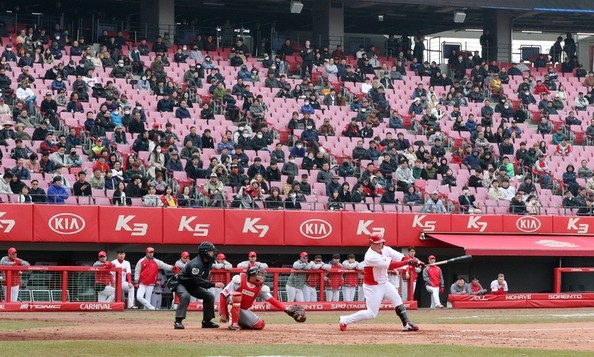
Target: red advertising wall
<point>356,227</point>
<point>191,226</point>
<point>254,227</point>
<point>131,225</point>
<point>306,228</point>
<point>16,222</point>
<point>61,223</point>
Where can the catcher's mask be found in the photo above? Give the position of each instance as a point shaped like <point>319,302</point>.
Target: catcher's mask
<point>258,274</point>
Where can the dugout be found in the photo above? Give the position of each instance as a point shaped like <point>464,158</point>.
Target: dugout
<point>524,273</point>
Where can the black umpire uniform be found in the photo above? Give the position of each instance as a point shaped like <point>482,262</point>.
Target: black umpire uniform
<point>193,281</point>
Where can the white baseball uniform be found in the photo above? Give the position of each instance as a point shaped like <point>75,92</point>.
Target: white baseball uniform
<point>127,286</point>
<point>351,281</point>
<point>375,283</point>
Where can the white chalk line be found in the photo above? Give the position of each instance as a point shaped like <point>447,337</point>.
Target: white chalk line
<point>530,329</point>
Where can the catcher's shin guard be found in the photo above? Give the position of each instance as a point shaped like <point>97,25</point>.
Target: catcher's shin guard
<point>401,312</point>
<point>235,308</point>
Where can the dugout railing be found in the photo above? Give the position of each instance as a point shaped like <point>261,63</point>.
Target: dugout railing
<point>56,288</point>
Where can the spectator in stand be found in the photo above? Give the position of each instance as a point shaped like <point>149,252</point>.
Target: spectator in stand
<point>584,171</point>
<point>570,179</point>
<point>563,148</point>
<point>37,194</point>
<point>56,193</point>
<point>434,204</point>
<point>533,206</point>
<point>581,103</point>
<point>291,201</point>
<point>81,187</point>
<point>499,286</point>
<point>467,202</point>
<point>587,209</point>
<point>517,205</point>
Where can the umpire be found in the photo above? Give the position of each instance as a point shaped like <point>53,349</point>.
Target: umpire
<point>193,281</point>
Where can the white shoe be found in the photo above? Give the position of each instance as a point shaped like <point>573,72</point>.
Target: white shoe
<point>439,307</point>
<point>150,308</point>
<point>174,307</point>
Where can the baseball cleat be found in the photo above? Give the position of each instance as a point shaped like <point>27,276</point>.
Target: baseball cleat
<point>343,327</point>
<point>234,327</point>
<point>178,326</point>
<point>209,324</point>
<point>410,327</point>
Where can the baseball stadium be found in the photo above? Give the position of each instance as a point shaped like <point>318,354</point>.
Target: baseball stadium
<point>297,177</point>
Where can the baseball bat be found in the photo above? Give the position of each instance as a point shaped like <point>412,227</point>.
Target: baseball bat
<point>454,260</point>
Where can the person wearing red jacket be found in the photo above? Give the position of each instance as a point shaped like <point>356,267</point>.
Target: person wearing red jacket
<point>540,88</point>
<point>378,261</point>
<point>410,273</point>
<point>104,282</point>
<point>434,284</point>
<point>335,280</point>
<point>146,274</point>
<point>15,282</point>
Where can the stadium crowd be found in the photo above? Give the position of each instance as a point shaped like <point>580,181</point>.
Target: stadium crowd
<point>193,125</point>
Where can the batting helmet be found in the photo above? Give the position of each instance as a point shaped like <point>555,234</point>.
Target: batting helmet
<point>204,248</point>
<point>376,238</point>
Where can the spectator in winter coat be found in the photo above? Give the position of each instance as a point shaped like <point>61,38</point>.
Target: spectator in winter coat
<point>56,193</point>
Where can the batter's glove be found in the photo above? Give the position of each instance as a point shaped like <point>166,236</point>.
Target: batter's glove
<point>441,290</point>
<point>412,262</point>
<point>297,312</point>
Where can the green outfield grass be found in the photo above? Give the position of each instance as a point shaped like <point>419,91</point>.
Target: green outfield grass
<point>114,348</point>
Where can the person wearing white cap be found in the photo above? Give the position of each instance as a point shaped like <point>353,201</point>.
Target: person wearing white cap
<point>434,204</point>
<point>380,259</point>
<point>26,94</point>
<point>214,190</point>
<point>146,274</point>
<point>12,260</point>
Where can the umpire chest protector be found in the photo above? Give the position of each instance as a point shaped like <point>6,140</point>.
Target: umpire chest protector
<point>195,271</point>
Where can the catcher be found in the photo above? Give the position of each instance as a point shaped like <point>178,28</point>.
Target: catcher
<point>241,293</point>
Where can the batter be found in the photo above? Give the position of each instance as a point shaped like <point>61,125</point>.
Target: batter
<point>378,260</point>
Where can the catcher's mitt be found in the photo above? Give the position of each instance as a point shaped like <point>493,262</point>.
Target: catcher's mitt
<point>297,312</point>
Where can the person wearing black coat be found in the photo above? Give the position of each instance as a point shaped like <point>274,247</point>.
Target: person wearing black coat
<point>516,205</point>
<point>193,281</point>
<point>389,195</point>
<point>291,201</point>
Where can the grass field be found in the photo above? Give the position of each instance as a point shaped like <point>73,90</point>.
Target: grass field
<point>476,333</point>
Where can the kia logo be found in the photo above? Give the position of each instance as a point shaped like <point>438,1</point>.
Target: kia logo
<point>66,223</point>
<point>315,229</point>
<point>528,224</point>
